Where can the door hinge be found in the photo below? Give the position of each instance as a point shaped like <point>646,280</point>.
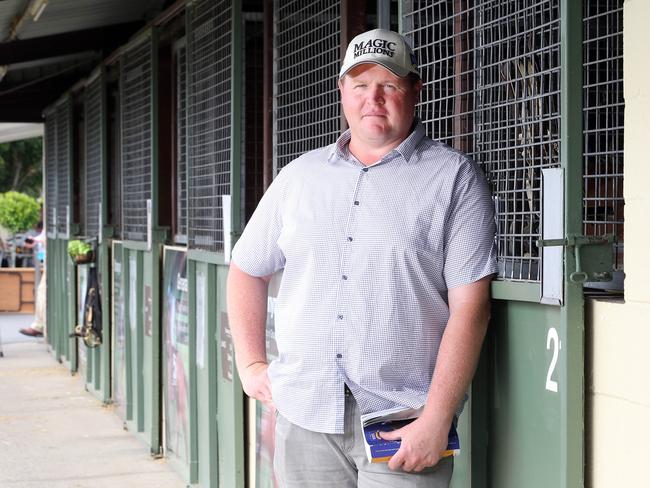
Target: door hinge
<point>593,255</point>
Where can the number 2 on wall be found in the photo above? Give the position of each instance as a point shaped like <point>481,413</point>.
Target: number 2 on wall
<point>552,337</point>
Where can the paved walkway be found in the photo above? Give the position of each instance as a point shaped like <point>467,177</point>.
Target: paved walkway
<point>54,434</point>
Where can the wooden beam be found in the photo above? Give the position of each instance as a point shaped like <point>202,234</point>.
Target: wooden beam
<point>27,104</point>
<point>99,39</point>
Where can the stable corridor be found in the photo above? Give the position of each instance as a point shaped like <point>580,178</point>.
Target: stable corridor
<point>55,434</point>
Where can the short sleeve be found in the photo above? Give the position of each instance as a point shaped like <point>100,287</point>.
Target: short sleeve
<point>257,252</point>
<point>470,251</point>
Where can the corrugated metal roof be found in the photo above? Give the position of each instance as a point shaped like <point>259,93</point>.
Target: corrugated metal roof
<point>32,81</point>
<point>9,9</point>
<point>71,15</point>
<point>62,16</point>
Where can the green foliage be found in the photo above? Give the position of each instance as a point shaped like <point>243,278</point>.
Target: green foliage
<point>18,212</point>
<point>79,248</point>
<point>21,166</point>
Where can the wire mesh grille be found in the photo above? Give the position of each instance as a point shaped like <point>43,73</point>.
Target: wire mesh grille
<point>94,111</point>
<point>209,124</point>
<point>492,89</point>
<point>181,143</point>
<point>603,106</point>
<point>307,61</point>
<point>136,100</point>
<point>63,115</point>
<point>51,164</point>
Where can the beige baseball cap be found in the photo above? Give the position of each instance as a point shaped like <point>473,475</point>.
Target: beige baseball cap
<point>383,47</point>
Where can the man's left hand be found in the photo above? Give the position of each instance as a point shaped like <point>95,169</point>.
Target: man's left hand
<point>421,446</point>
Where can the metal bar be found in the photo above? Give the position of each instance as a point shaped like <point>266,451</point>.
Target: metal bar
<point>155,441</point>
<point>155,130</point>
<point>383,14</point>
<point>193,409</point>
<point>267,169</point>
<point>94,190</point>
<point>180,153</point>
<point>345,37</point>
<point>572,313</point>
<point>236,78</point>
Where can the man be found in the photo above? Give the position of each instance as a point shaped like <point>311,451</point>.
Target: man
<point>386,241</point>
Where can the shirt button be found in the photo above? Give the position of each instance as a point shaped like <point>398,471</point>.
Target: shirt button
<point>350,239</point>
<point>344,277</point>
<point>339,356</point>
<point>365,170</point>
<point>340,317</point>
<point>356,202</point>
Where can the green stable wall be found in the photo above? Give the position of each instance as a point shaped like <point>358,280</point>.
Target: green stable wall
<point>219,397</point>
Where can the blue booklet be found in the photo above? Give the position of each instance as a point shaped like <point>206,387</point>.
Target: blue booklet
<point>379,450</point>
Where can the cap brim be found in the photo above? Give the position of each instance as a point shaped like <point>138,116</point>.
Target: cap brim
<point>395,69</point>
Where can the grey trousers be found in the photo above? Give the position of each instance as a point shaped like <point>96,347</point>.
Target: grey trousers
<point>306,459</point>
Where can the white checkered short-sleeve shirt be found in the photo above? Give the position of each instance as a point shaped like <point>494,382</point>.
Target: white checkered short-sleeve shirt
<point>368,256</point>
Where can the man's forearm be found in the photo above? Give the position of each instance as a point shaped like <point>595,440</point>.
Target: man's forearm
<point>246,298</point>
<point>455,367</point>
<point>458,355</point>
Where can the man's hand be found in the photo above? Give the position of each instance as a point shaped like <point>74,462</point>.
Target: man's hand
<point>256,384</point>
<point>421,446</point>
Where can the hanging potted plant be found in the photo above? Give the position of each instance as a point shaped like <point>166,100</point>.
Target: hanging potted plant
<point>80,252</point>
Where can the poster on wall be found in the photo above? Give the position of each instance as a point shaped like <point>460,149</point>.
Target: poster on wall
<point>119,336</point>
<point>265,416</point>
<point>176,354</point>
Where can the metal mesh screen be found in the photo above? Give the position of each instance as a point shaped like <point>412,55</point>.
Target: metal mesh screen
<point>136,100</point>
<point>181,143</point>
<point>307,61</point>
<point>492,73</point>
<point>94,111</point>
<point>603,106</point>
<point>51,164</point>
<point>63,156</point>
<point>209,124</point>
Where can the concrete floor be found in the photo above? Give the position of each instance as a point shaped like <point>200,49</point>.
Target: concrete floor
<point>54,434</point>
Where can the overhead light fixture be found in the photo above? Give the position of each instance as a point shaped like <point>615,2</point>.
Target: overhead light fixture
<point>37,8</point>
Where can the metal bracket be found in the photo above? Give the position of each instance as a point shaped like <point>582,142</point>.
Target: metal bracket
<point>593,255</point>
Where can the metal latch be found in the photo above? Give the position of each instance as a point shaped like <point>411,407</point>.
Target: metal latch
<point>593,256</point>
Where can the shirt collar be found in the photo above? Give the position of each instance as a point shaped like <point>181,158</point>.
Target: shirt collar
<point>405,149</point>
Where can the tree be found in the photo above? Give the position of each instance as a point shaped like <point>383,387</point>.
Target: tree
<point>18,212</point>
<point>21,166</point>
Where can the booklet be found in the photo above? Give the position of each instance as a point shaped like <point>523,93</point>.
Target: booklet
<point>379,450</point>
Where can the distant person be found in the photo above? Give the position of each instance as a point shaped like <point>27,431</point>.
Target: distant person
<point>37,243</point>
